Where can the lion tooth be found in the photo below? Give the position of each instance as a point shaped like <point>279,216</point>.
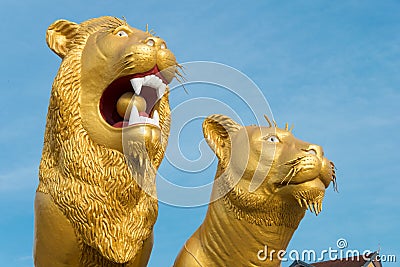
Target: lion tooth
<point>152,81</point>
<point>137,84</point>
<point>161,90</point>
<point>151,121</point>
<point>144,120</point>
<point>147,78</point>
<point>134,116</point>
<point>156,117</point>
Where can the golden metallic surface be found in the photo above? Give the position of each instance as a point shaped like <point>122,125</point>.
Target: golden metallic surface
<point>241,223</point>
<point>106,57</point>
<point>150,142</point>
<point>140,103</point>
<point>90,209</point>
<point>124,101</point>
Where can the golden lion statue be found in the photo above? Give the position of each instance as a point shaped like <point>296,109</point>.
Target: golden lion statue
<point>240,224</point>
<point>93,205</point>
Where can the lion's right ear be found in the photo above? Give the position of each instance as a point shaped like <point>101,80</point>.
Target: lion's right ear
<point>217,130</point>
<point>59,34</point>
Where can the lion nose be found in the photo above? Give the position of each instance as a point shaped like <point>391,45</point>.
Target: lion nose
<point>314,150</point>
<point>156,42</point>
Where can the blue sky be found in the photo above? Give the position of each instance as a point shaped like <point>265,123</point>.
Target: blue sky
<point>332,68</point>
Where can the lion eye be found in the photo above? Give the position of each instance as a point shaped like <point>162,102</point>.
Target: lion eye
<point>273,139</point>
<point>122,34</point>
<point>150,42</point>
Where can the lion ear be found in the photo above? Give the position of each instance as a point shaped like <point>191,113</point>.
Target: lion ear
<point>59,34</point>
<point>217,130</point>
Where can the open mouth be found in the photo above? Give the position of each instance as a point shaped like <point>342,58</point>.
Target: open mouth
<point>133,99</point>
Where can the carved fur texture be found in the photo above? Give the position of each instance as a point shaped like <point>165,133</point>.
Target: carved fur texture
<point>96,187</point>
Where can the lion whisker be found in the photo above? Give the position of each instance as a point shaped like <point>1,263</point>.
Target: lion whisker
<point>180,75</point>
<point>293,162</point>
<point>296,170</point>
<point>182,68</point>
<point>287,175</point>
<point>293,171</point>
<point>182,83</point>
<point>288,182</point>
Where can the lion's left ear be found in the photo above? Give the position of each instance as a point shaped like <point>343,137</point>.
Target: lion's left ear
<point>59,34</point>
<point>217,130</point>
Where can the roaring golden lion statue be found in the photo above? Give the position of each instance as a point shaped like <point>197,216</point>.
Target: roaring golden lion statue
<point>242,226</point>
<point>93,205</point>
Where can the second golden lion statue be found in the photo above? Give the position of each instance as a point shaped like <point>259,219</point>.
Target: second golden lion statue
<point>91,209</point>
<point>240,223</point>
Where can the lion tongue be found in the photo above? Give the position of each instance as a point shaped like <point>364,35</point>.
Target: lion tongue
<point>120,124</point>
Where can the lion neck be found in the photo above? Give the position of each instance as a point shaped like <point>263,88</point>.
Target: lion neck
<point>255,222</point>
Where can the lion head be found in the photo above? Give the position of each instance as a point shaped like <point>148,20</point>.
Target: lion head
<point>112,80</point>
<point>287,172</point>
<point>266,179</point>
